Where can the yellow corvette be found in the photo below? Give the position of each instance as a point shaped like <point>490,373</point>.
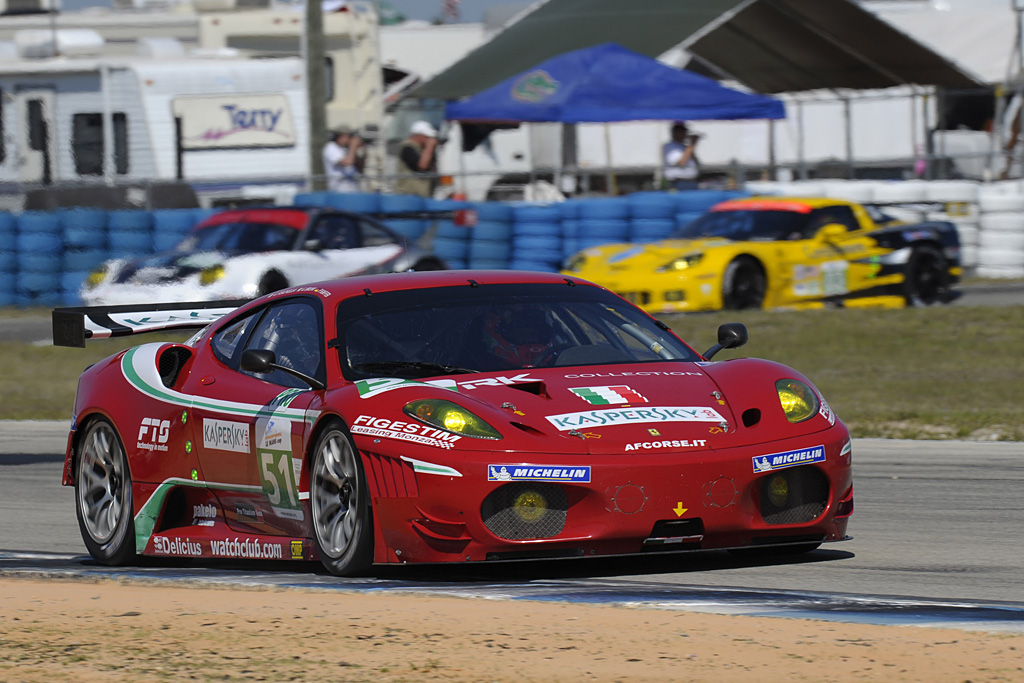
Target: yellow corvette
<point>774,252</point>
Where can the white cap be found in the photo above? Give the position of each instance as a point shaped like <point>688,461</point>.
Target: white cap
<point>423,128</point>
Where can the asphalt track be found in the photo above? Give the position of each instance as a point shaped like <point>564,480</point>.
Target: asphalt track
<point>936,542</point>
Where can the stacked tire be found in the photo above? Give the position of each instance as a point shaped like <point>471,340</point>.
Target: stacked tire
<point>412,229</point>
<point>652,216</point>
<point>603,221</point>
<point>489,246</point>
<point>39,247</point>
<point>8,259</point>
<point>170,226</point>
<point>130,234</point>
<point>450,242</point>
<point>1001,234</point>
<point>86,246</point>
<point>959,202</point>
<point>537,237</point>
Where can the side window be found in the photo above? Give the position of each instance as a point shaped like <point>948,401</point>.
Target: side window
<point>373,235</point>
<point>87,143</point>
<point>226,341</point>
<point>335,232</point>
<point>292,330</point>
<point>843,215</point>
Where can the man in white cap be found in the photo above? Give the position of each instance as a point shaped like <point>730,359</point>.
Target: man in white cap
<point>417,161</point>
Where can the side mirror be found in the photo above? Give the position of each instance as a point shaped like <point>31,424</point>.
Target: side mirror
<point>730,336</point>
<point>258,360</point>
<point>313,245</point>
<point>832,232</point>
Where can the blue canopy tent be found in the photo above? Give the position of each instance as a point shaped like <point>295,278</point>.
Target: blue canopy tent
<point>607,83</point>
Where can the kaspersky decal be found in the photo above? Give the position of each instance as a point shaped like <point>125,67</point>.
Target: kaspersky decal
<point>619,416</point>
<point>403,431</point>
<point>279,471</point>
<point>368,388</point>
<point>223,435</point>
<point>778,461</point>
<point>603,396</point>
<point>139,367</point>
<point>573,473</point>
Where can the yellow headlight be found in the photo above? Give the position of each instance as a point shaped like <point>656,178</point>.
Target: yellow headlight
<point>778,490</point>
<point>96,277</point>
<point>530,506</point>
<point>450,417</point>
<point>208,276</point>
<point>681,263</point>
<point>799,401</point>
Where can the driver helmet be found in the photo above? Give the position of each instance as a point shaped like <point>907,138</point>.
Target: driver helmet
<point>520,335</point>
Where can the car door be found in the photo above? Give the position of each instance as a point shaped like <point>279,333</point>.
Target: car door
<point>250,428</point>
<point>348,245</point>
<point>824,268</point>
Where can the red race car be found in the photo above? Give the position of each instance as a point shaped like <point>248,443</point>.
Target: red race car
<point>441,417</point>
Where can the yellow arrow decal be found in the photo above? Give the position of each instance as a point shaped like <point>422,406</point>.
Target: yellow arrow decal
<point>679,509</point>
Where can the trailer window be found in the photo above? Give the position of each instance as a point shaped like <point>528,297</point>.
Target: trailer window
<point>87,143</point>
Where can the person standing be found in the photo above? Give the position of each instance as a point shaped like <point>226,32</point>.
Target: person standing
<point>417,161</point>
<point>681,168</point>
<point>343,161</point>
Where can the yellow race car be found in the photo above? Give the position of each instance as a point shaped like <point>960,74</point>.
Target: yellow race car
<point>780,252</point>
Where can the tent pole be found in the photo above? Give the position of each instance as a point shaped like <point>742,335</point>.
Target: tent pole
<point>613,191</point>
<point>800,152</point>
<point>847,116</point>
<point>772,162</point>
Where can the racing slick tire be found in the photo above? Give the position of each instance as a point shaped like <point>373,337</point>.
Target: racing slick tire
<point>927,277</point>
<point>103,495</point>
<point>743,284</point>
<point>271,282</point>
<point>339,502</point>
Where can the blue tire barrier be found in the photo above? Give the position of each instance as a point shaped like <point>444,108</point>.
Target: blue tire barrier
<point>177,221</point>
<point>356,202</point>
<point>570,208</point>
<point>136,221</point>
<point>485,250</point>
<point>448,230</point>
<point>684,219</point>
<point>449,249</point>
<point>570,246</point>
<point>543,249</point>
<point>200,215</point>
<point>133,241</point>
<point>164,241</point>
<point>456,264</point>
<point>8,282</point>
<point>494,211</point>
<point>608,230</point>
<point>492,230</point>
<point>412,230</point>
<point>570,228</point>
<point>311,199</point>
<point>488,264</point>
<point>71,280</point>
<point>702,200</point>
<point>83,259</point>
<point>652,205</point>
<point>31,299</point>
<point>33,283</point>
<point>39,242</point>
<point>610,208</point>
<point>39,263</point>
<point>8,226</point>
<point>37,222</point>
<point>446,204</point>
<point>585,243</point>
<point>519,264</point>
<point>650,229</point>
<point>553,229</point>
<point>537,213</point>
<point>394,203</point>
<point>70,297</point>
<point>8,260</point>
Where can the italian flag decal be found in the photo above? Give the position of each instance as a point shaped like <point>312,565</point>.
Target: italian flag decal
<point>603,396</point>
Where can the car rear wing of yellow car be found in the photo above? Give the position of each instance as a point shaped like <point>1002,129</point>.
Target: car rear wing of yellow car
<point>73,326</point>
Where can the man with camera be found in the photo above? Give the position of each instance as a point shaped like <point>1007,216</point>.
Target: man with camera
<point>343,161</point>
<point>417,161</point>
<point>681,167</point>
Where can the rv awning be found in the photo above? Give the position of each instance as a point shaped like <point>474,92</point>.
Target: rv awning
<point>771,46</point>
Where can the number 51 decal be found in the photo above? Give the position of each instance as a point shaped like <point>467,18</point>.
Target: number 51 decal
<point>279,472</point>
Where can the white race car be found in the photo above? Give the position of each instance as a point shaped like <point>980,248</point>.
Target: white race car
<point>246,253</point>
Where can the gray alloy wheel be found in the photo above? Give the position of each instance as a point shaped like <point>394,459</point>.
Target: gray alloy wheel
<point>340,504</point>
<point>103,495</point>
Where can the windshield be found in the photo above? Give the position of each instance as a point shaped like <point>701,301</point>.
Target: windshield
<point>451,330</point>
<point>746,225</point>
<point>240,238</point>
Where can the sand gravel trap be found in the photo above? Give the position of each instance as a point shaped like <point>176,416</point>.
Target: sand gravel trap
<point>110,631</point>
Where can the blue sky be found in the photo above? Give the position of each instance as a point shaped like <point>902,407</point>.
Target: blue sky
<point>469,10</point>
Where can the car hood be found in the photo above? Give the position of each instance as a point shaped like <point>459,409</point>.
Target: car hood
<point>169,265</point>
<point>653,255</point>
<point>640,408</point>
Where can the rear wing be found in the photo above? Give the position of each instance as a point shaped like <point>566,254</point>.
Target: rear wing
<point>72,326</point>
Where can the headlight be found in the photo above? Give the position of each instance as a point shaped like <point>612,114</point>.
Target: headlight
<point>207,276</point>
<point>799,401</point>
<point>450,417</point>
<point>96,277</point>
<point>681,263</point>
<point>575,263</point>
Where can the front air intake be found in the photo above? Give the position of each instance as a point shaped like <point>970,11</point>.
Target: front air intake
<point>525,510</point>
<point>793,495</point>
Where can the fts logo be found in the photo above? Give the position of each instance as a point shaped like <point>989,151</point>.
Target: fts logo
<point>153,434</point>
